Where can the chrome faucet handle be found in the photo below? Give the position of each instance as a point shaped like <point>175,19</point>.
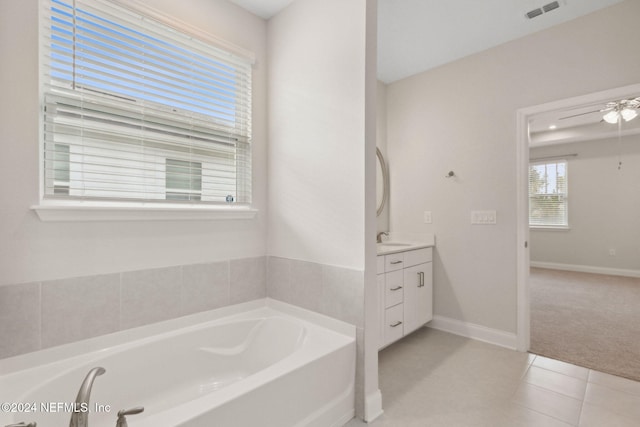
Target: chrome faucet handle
<point>379,236</point>
<point>22,424</point>
<point>122,420</point>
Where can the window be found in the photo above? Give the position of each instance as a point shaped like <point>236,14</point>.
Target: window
<point>548,194</point>
<point>134,110</point>
<point>183,180</point>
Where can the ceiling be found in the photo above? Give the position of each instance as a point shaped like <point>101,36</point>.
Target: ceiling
<point>417,35</point>
<point>579,123</point>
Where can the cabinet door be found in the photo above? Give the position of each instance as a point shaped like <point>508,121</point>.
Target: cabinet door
<point>418,296</point>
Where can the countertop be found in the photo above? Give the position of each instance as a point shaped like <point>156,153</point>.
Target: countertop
<point>392,247</point>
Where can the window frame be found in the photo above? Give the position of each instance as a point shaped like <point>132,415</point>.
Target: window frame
<point>565,196</point>
<point>52,209</point>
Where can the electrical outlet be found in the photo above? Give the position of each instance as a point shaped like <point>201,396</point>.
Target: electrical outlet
<point>612,252</point>
<point>483,217</point>
<point>427,217</point>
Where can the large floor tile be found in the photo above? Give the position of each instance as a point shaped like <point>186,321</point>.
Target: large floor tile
<point>561,367</point>
<point>557,382</point>
<point>595,416</point>
<point>624,404</point>
<point>548,402</point>
<point>617,383</point>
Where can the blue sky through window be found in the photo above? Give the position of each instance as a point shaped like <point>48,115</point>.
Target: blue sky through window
<point>108,57</point>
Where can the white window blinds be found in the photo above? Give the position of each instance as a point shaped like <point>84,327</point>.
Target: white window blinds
<point>136,110</point>
<point>548,194</point>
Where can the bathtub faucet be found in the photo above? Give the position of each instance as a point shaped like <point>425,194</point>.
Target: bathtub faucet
<point>80,417</point>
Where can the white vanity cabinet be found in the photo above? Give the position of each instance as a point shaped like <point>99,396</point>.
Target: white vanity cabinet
<point>405,292</point>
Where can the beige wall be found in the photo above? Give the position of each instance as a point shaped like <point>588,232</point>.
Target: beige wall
<point>31,250</point>
<point>462,117</point>
<point>604,206</point>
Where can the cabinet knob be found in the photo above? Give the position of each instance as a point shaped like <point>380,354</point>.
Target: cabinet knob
<point>397,288</point>
<point>396,262</point>
<point>421,278</point>
<point>398,323</point>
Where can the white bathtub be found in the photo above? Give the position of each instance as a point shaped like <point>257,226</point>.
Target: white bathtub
<point>262,363</point>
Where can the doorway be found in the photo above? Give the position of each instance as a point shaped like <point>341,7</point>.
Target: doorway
<point>525,117</point>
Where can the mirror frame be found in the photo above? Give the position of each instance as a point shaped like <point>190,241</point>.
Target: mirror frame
<point>385,181</point>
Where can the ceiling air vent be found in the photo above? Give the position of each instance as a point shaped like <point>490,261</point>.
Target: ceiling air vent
<point>535,12</point>
<point>544,9</point>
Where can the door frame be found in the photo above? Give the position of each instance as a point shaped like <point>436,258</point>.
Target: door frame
<point>523,115</point>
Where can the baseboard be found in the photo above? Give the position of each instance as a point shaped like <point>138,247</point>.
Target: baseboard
<point>373,406</point>
<point>586,269</point>
<point>473,331</point>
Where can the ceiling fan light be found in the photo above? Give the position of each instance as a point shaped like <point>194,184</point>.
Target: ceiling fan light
<point>611,117</point>
<point>629,114</point>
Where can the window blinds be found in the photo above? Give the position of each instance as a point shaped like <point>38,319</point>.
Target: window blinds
<point>136,110</point>
<point>548,194</point>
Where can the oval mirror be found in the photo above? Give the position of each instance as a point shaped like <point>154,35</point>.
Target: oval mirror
<point>382,182</point>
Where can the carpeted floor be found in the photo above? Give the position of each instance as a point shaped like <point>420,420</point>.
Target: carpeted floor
<point>591,320</point>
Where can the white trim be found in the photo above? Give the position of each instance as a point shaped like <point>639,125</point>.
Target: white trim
<point>140,212</point>
<point>549,228</point>
<point>373,406</point>
<point>523,321</point>
<point>474,331</point>
<point>587,269</point>
<point>522,193</point>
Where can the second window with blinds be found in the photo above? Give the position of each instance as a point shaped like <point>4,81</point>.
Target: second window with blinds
<point>548,194</point>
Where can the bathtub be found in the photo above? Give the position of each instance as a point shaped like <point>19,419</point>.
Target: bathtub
<point>262,363</point>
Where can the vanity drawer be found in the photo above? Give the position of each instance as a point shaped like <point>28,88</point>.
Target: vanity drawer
<point>418,256</point>
<point>393,262</point>
<point>394,288</point>
<point>393,329</point>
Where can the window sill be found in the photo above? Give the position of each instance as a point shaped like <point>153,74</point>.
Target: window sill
<point>86,211</point>
<point>548,228</point>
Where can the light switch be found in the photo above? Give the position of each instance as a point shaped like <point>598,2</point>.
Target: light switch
<point>427,217</point>
<point>483,217</point>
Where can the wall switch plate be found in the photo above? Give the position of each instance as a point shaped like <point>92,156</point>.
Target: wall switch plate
<point>427,217</point>
<point>483,217</point>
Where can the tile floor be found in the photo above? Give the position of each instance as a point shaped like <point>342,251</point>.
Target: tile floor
<point>432,378</point>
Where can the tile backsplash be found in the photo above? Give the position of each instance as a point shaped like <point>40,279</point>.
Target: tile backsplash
<point>39,315</point>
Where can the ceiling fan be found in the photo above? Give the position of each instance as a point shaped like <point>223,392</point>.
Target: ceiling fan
<point>614,110</point>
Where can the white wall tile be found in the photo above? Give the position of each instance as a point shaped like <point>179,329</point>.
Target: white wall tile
<point>19,319</point>
<point>79,308</point>
<point>205,287</point>
<point>150,296</point>
<point>248,279</point>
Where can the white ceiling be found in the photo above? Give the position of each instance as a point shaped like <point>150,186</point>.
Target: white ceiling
<point>417,35</point>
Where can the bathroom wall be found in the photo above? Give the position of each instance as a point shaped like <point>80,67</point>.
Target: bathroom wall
<point>33,251</point>
<point>462,117</point>
<point>316,132</point>
<point>603,208</point>
<point>321,151</point>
